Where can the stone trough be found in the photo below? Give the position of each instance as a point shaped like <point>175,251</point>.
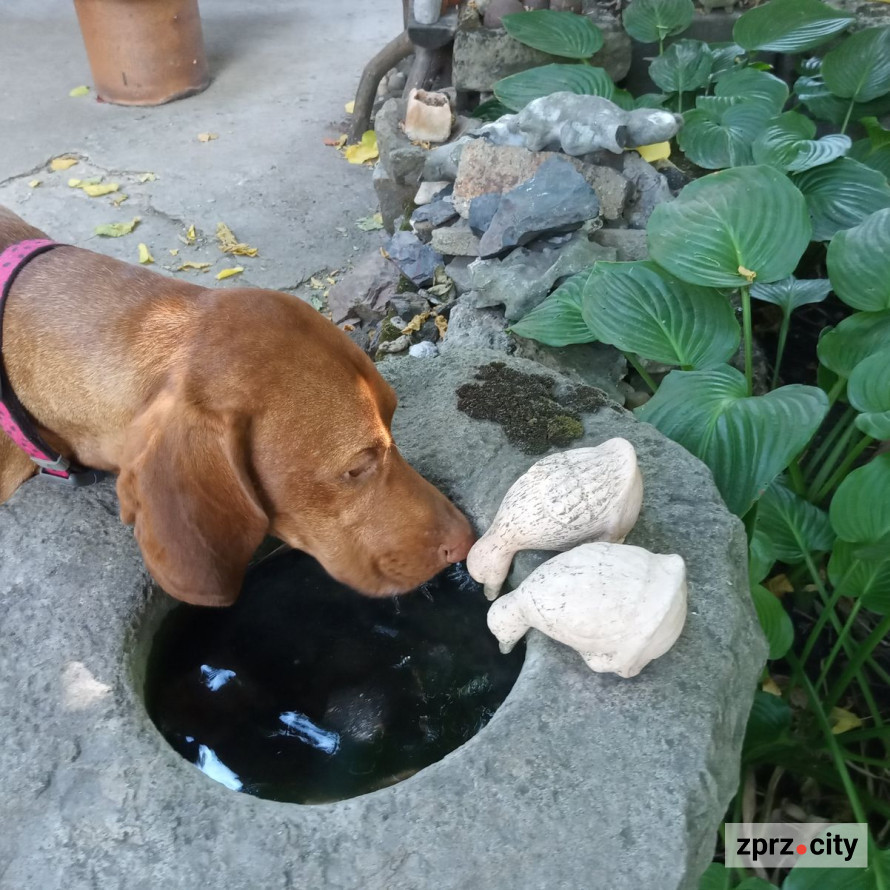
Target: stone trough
<point>579,780</point>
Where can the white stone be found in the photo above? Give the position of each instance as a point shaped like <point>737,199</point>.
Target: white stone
<point>565,499</point>
<point>428,191</point>
<point>424,349</point>
<point>619,606</point>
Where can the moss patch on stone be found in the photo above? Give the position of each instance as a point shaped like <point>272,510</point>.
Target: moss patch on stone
<point>533,417</point>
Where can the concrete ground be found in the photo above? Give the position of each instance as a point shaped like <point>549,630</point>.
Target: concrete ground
<point>282,71</point>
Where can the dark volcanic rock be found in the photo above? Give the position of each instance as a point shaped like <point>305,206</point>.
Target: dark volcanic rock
<point>482,211</point>
<point>417,261</point>
<point>556,199</point>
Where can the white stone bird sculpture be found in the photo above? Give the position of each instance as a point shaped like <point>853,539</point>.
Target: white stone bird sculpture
<point>565,499</point>
<point>619,606</point>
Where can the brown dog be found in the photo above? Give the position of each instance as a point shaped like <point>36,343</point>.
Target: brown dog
<point>227,415</point>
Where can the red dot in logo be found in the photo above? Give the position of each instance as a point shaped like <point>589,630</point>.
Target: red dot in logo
<point>801,848</point>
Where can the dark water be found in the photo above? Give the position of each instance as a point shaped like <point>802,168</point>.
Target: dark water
<point>304,691</point>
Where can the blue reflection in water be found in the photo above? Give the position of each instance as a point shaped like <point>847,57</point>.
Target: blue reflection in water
<point>215,678</point>
<point>212,766</point>
<point>301,727</point>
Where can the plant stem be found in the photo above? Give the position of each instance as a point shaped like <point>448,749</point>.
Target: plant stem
<point>748,334</point>
<point>637,365</point>
<point>847,118</point>
<point>780,348</point>
<point>840,446</point>
<point>862,651</point>
<point>795,476</point>
<point>843,422</point>
<point>839,643</point>
<point>844,468</point>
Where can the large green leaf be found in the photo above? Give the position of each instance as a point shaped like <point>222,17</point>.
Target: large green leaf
<point>859,68</point>
<point>727,225</point>
<point>789,26</point>
<point>716,141</point>
<point>768,721</point>
<point>791,293</point>
<point>859,263</point>
<point>811,90</point>
<point>774,621</point>
<point>727,57</point>
<point>517,90</point>
<point>877,158</point>
<point>558,33</point>
<point>793,525</point>
<point>788,144</point>
<point>683,67</point>
<point>859,571</point>
<point>754,86</point>
<point>841,194</point>
<point>860,508</point>
<point>841,348</point>
<point>558,321</point>
<point>761,556</point>
<point>651,21</point>
<point>868,391</point>
<point>745,440</point>
<point>640,308</point>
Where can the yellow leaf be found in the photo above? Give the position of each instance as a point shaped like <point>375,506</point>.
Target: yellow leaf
<point>331,280</point>
<point>145,256</point>
<point>79,91</point>
<point>658,151</point>
<point>191,235</point>
<point>843,721</point>
<point>228,243</point>
<point>115,230</point>
<point>228,273</point>
<point>75,183</point>
<point>315,284</point>
<point>199,266</point>
<point>779,584</point>
<point>63,163</point>
<point>769,685</point>
<point>119,199</point>
<point>366,150</point>
<point>350,107</point>
<point>416,323</point>
<point>33,183</point>
<point>100,189</point>
<point>747,273</point>
<point>442,325</point>
<point>207,137</point>
<point>174,251</point>
<point>148,177</point>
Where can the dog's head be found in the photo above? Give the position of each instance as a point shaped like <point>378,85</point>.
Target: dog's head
<point>274,422</point>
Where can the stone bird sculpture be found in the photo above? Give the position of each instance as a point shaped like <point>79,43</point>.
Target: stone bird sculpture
<point>619,606</point>
<point>585,494</point>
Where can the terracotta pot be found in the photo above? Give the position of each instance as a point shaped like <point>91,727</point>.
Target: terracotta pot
<point>144,52</point>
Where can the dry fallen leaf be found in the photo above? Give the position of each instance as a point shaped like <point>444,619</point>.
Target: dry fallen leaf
<point>115,230</point>
<point>366,150</point>
<point>201,267</point>
<point>658,151</point>
<point>842,720</point>
<point>747,273</point>
<point>416,323</point>
<point>370,223</point>
<point>33,183</point>
<point>769,685</point>
<point>340,141</point>
<point>80,91</point>
<point>174,251</point>
<point>63,163</point>
<point>148,177</point>
<point>145,256</point>
<point>207,137</point>
<point>315,283</point>
<point>119,199</point>
<point>228,243</point>
<point>779,584</point>
<point>100,189</point>
<point>350,107</point>
<point>228,273</point>
<point>442,325</point>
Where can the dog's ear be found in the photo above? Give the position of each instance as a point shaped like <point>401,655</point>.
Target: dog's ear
<point>184,485</point>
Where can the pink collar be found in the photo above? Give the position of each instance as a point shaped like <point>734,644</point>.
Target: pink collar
<point>14,419</point>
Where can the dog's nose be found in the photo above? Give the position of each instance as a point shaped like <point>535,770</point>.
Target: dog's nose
<point>456,549</point>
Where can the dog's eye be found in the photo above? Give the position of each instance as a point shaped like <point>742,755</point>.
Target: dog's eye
<point>363,465</point>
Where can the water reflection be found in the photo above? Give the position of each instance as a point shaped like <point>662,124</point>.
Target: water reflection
<point>306,692</point>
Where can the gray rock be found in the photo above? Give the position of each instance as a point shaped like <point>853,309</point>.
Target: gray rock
<point>417,261</point>
<point>424,349</point>
<point>401,158</point>
<point>426,218</point>
<point>579,780</point>
<point>458,270</point>
<point>497,9</point>
<point>396,81</point>
<point>650,188</point>
<point>616,54</point>
<point>472,328</point>
<point>629,244</point>
<point>455,240</point>
<point>526,276</point>
<point>391,347</point>
<point>442,162</point>
<point>428,192</point>
<point>395,198</point>
<point>556,199</point>
<point>579,125</point>
<point>482,56</point>
<point>482,211</point>
<point>611,188</point>
<point>433,35</point>
<point>364,291</point>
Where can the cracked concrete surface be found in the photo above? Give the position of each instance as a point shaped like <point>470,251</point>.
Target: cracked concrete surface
<point>282,72</point>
